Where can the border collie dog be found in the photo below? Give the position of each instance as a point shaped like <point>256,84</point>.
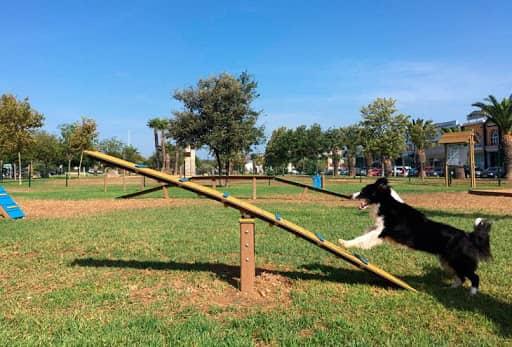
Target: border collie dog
<point>397,222</point>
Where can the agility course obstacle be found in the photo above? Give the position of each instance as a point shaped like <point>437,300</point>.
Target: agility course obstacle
<point>253,178</point>
<point>9,209</point>
<point>248,213</point>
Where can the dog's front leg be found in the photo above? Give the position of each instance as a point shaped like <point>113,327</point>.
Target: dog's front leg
<point>366,241</point>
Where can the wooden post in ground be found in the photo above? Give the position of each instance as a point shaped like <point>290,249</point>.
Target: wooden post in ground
<point>254,187</point>
<point>166,191</point>
<point>304,193</point>
<point>124,180</point>
<point>247,261</point>
<point>322,181</point>
<point>142,182</point>
<point>446,165</point>
<point>214,183</point>
<point>105,181</point>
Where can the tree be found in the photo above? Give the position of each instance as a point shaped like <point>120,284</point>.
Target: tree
<point>77,137</point>
<point>351,139</point>
<point>278,149</point>
<point>153,124</point>
<point>18,122</point>
<point>500,113</point>
<point>112,146</point>
<point>218,114</point>
<point>47,150</point>
<point>384,130</point>
<point>422,134</point>
<point>162,125</point>
<point>130,153</point>
<point>334,142</point>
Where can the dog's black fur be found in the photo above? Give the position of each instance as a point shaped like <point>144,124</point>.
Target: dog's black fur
<point>458,251</point>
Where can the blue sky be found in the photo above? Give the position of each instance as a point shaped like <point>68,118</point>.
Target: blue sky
<point>315,61</point>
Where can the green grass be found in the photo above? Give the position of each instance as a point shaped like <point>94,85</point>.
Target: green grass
<point>55,189</point>
<point>144,277</point>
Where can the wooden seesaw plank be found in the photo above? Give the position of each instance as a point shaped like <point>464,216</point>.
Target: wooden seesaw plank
<point>254,211</point>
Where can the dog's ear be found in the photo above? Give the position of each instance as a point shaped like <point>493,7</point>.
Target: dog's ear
<point>382,184</point>
<point>382,181</point>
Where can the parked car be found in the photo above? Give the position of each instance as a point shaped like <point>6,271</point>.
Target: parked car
<point>413,172</point>
<point>478,171</point>
<point>375,171</point>
<point>401,170</point>
<point>344,171</point>
<point>492,172</point>
<point>361,172</point>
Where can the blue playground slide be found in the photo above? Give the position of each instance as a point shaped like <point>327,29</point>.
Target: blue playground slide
<point>8,207</point>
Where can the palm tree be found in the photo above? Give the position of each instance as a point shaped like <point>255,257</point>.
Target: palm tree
<point>500,113</point>
<point>162,125</point>
<point>153,124</point>
<point>422,134</point>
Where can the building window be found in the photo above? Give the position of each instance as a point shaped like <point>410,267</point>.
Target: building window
<point>495,138</point>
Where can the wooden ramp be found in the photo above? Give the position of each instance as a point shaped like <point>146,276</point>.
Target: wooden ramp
<point>253,211</point>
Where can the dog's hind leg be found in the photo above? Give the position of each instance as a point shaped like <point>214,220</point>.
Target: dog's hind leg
<point>475,283</point>
<point>366,241</point>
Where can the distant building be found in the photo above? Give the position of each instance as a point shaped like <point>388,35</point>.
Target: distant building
<point>487,139</point>
<point>435,154</point>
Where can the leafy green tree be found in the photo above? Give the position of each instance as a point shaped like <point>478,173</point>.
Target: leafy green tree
<point>132,154</point>
<point>18,122</point>
<point>333,138</point>
<point>385,130</point>
<point>351,139</point>
<point>77,137</point>
<point>112,146</point>
<point>278,149</point>
<point>218,114</point>
<point>47,150</point>
<point>422,134</point>
<point>500,113</point>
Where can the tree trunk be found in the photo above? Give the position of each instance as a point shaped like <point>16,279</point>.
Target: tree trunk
<point>507,149</point>
<point>422,158</point>
<point>387,167</point>
<point>80,163</point>
<point>352,165</point>
<point>335,162</point>
<point>69,166</point>
<point>176,159</point>
<point>157,155</point>
<point>369,159</point>
<point>219,166</point>
<point>164,151</point>
<point>19,167</point>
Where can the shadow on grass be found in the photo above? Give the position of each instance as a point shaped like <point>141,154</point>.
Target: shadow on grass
<point>498,311</point>
<point>462,214</point>
<point>231,273</point>
<point>494,309</point>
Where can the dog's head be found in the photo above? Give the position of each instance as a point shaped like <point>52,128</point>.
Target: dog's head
<point>373,193</point>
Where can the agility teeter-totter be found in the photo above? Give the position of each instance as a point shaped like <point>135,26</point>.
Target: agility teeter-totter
<point>9,209</point>
<point>248,213</point>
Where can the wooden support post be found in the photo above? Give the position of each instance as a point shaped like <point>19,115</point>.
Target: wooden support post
<point>142,182</point>
<point>105,181</point>
<point>253,187</point>
<point>4,213</point>
<point>166,191</point>
<point>322,181</point>
<point>446,165</point>
<point>247,261</point>
<point>124,180</point>
<point>214,183</point>
<point>304,193</point>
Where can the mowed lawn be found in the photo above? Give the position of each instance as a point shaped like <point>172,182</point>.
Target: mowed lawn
<point>168,276</point>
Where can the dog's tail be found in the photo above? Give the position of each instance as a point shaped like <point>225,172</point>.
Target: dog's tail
<point>481,239</point>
